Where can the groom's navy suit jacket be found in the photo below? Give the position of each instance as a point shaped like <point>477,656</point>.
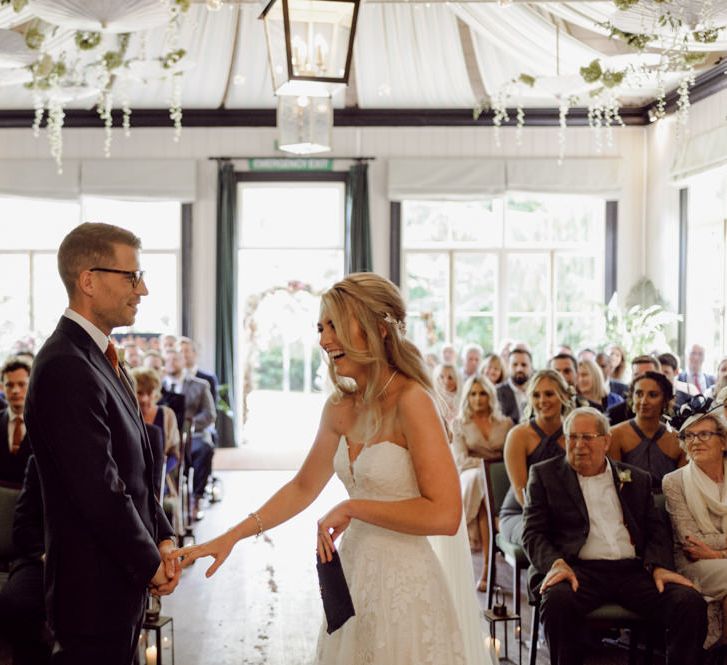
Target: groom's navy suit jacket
<point>102,522</point>
<point>556,519</point>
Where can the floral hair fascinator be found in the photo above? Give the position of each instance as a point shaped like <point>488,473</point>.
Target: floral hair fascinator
<point>691,411</point>
<point>399,325</point>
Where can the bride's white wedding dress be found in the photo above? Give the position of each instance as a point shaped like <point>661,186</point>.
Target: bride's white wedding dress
<point>404,609</point>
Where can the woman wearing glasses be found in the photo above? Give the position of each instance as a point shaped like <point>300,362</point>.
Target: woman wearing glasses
<point>644,441</point>
<point>696,499</point>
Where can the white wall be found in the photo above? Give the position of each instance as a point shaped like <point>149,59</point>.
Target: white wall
<point>382,143</point>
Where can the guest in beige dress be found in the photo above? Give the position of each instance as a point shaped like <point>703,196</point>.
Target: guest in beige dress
<point>479,433</point>
<point>446,383</point>
<point>696,499</point>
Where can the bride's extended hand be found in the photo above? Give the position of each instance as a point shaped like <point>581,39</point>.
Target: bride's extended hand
<point>219,548</point>
<point>330,526</point>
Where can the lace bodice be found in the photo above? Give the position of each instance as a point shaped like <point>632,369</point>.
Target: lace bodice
<point>382,471</point>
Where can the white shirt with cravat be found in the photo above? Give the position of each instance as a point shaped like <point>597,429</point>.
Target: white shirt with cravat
<point>608,537</point>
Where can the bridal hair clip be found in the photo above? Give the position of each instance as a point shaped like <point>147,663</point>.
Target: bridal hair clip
<point>699,405</point>
<point>399,325</point>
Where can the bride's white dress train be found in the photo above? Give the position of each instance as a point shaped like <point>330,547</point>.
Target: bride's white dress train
<point>405,614</point>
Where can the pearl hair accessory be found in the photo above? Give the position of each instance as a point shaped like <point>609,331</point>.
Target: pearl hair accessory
<point>399,325</point>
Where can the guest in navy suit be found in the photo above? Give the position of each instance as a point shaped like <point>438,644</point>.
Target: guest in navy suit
<point>188,348</point>
<point>14,444</point>
<point>107,539</point>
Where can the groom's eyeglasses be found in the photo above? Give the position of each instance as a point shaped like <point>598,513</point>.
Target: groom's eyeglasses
<point>135,276</point>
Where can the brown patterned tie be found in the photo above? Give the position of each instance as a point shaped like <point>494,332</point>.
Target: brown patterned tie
<point>112,357</point>
<point>17,435</point>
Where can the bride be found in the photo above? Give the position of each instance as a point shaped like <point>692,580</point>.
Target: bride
<point>382,433</point>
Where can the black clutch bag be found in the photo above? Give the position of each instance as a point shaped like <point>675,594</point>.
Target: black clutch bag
<point>336,598</point>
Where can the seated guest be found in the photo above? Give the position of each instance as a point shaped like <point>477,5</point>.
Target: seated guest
<point>14,444</point>
<point>644,440</point>
<point>721,379</point>
<point>618,362</point>
<point>174,401</point>
<point>617,387</point>
<point>622,411</point>
<point>479,433</point>
<point>167,342</point>
<point>512,395</point>
<point>22,598</point>
<point>593,387</point>
<point>696,498</point>
<point>431,359</point>
<point>188,348</point>
<point>594,536</point>
<point>493,369</point>
<point>148,392</point>
<point>586,354</point>
<point>567,366</point>
<point>449,355</point>
<point>533,441</point>
<point>446,383</point>
<point>131,354</point>
<point>471,359</point>
<point>695,374</point>
<point>683,391</point>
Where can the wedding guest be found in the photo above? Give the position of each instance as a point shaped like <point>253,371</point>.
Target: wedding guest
<point>586,354</point>
<point>493,369</point>
<point>683,391</point>
<point>695,374</point>
<point>617,387</point>
<point>532,441</point>
<point>479,434</point>
<point>14,443</point>
<point>644,441</point>
<point>512,395</point>
<point>132,354</point>
<point>721,379</point>
<point>594,536</point>
<point>189,350</point>
<point>471,359</point>
<point>449,355</point>
<point>446,382</point>
<point>696,499</point>
<point>148,392</point>
<point>618,362</point>
<point>592,385</point>
<point>622,412</point>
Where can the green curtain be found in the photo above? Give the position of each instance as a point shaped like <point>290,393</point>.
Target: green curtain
<point>226,304</point>
<point>358,231</point>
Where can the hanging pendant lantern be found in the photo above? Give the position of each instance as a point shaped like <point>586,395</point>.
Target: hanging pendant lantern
<point>310,44</point>
<point>305,124</point>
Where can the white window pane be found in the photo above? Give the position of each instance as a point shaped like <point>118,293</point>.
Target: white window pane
<point>474,222</point>
<point>525,222</point>
<point>280,215</point>
<point>475,277</point>
<point>577,287</point>
<point>527,282</point>
<point>578,332</point>
<point>157,223</point>
<point>14,300</point>
<point>261,269</point>
<point>159,311</point>
<point>531,330</point>
<point>49,294</point>
<point>427,278</point>
<point>35,223</point>
<point>475,329</point>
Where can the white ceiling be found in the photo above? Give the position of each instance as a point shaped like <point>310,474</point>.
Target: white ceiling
<point>406,55</point>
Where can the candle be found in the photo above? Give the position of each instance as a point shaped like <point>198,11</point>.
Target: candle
<point>492,644</point>
<point>151,655</point>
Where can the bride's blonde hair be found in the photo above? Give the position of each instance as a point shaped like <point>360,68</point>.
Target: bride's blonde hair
<point>378,307</point>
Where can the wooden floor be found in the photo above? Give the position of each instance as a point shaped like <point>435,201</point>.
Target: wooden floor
<point>263,606</point>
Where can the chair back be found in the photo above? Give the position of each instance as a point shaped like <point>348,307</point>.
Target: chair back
<point>497,483</point>
<point>8,498</point>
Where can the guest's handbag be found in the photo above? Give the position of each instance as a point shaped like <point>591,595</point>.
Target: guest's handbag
<point>336,598</point>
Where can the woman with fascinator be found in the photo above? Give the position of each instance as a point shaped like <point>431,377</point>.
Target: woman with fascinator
<point>696,499</point>
<point>644,441</point>
<point>383,435</point>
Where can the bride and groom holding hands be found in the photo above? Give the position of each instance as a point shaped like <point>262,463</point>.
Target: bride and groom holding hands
<point>108,542</point>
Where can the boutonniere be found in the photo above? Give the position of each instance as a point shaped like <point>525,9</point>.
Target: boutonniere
<point>624,476</point>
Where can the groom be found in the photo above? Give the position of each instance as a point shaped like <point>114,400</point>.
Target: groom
<point>107,539</point>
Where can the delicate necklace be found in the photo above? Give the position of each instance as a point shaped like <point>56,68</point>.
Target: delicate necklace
<point>386,385</point>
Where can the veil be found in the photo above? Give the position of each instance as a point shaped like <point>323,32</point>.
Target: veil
<point>453,553</point>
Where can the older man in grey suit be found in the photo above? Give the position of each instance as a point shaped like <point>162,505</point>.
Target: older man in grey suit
<point>200,411</point>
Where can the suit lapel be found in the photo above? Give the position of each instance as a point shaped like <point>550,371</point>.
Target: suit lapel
<point>573,487</point>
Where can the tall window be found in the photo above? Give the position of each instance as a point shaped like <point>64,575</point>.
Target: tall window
<point>525,267</point>
<point>706,252</point>
<point>32,297</point>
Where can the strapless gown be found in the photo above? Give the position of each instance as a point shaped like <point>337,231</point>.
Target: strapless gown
<point>404,609</point>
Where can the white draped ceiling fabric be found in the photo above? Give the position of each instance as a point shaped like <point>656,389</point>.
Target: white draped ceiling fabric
<point>406,55</point>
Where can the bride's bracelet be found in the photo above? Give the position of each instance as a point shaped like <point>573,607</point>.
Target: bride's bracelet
<point>259,523</point>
